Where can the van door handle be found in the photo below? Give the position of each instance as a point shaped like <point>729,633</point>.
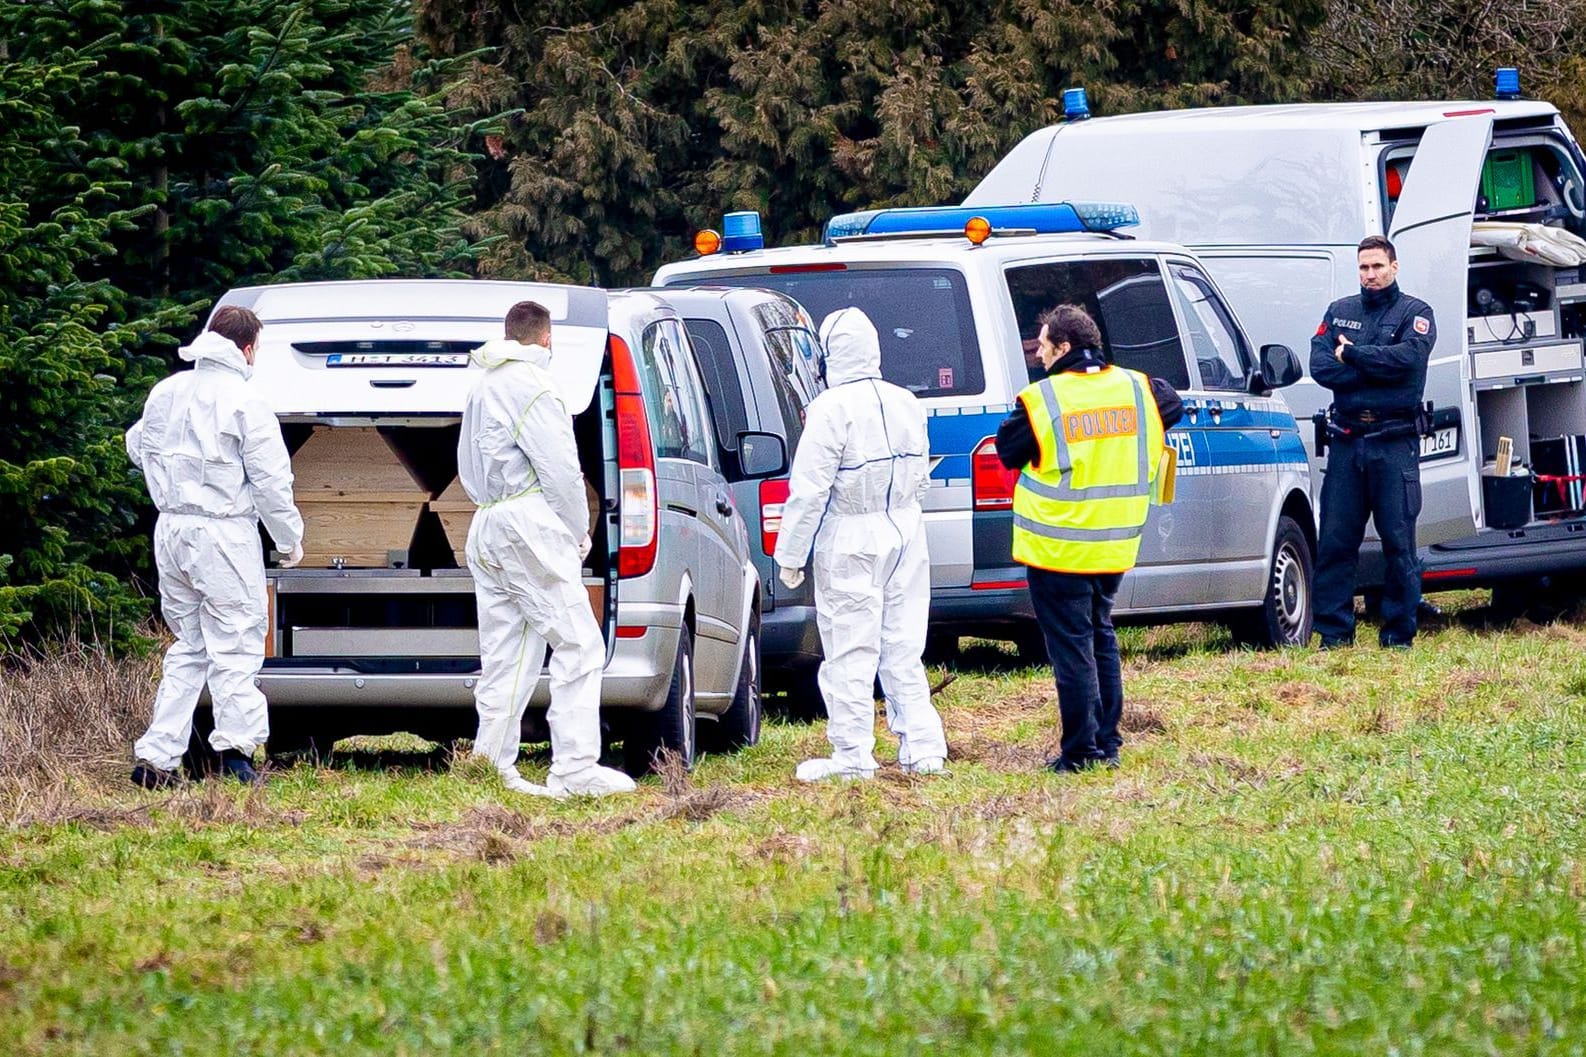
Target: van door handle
<point>723,506</point>
<point>1216,409</point>
<point>391,383</point>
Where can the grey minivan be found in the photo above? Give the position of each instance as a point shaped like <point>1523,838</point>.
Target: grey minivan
<point>372,645</point>
<point>761,363</point>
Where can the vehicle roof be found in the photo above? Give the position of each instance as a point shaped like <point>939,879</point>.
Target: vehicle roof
<point>1356,117</point>
<point>946,249</point>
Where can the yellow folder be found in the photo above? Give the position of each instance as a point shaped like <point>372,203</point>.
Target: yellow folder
<point>1166,477</point>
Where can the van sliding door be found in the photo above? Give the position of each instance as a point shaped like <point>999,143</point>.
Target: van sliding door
<point>1431,232</point>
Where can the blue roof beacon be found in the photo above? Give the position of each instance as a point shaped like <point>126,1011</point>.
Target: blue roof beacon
<point>1508,83</point>
<point>1076,105</point>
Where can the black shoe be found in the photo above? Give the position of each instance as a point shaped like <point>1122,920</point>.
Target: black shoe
<point>1337,644</point>
<point>235,764</point>
<point>148,776</point>
<point>1064,765</point>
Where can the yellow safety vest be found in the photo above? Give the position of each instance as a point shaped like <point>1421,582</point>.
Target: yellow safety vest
<point>1080,507</point>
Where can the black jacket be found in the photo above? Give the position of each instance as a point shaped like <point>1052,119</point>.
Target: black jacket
<point>1016,443</point>
<point>1384,367</point>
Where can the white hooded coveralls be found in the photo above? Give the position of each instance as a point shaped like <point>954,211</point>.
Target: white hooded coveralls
<point>519,462</point>
<point>212,455</point>
<point>862,468</point>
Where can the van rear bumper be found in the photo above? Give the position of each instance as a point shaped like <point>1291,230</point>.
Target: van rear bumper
<point>637,676</point>
<point>1495,555</point>
<point>969,610</point>
<point>789,637</point>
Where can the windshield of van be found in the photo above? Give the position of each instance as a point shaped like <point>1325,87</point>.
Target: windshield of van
<point>928,343</point>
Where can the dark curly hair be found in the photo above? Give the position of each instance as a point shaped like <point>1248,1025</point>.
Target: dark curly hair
<point>1072,324</point>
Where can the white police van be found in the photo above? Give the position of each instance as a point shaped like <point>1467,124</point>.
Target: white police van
<point>956,305</point>
<point>1275,199</point>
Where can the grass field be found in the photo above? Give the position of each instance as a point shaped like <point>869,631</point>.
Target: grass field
<point>1361,852</point>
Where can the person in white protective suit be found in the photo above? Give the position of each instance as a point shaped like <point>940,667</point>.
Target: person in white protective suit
<point>519,462</point>
<point>212,455</point>
<point>862,467</point>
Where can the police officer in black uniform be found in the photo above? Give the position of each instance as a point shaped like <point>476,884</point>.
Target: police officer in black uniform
<point>1371,350</point>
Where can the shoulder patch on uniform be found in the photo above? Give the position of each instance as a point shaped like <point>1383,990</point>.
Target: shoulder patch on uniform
<point>1321,328</point>
<point>1423,325</point>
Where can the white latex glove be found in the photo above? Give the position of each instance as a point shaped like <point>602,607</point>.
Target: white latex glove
<point>293,556</point>
<point>791,577</point>
<point>583,548</point>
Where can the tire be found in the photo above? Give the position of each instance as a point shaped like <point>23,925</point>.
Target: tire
<point>739,726</point>
<point>1285,618</point>
<point>674,727</point>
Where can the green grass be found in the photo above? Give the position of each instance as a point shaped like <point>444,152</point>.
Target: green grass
<point>1357,852</point>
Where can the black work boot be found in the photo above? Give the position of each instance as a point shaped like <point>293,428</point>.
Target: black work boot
<point>147,776</point>
<point>236,764</point>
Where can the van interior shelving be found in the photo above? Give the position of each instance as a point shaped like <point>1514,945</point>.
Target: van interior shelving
<point>1525,323</point>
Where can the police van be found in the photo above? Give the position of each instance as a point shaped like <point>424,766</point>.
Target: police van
<point>1275,199</point>
<point>955,295</point>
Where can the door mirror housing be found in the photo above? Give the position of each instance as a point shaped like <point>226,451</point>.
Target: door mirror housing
<point>761,455</point>
<point>1279,367</point>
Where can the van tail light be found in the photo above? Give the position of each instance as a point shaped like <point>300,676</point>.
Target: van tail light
<point>638,520</point>
<point>773,494</point>
<point>991,482</point>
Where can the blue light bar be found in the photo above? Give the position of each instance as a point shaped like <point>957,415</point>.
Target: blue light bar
<point>1046,218</point>
<point>740,232</point>
<point>1076,105</point>
<point>1508,83</point>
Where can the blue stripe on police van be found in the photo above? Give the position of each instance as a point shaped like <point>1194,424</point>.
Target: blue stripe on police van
<point>1222,447</point>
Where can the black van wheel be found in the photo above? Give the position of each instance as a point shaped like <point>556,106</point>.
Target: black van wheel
<point>1285,618</point>
<point>674,727</point>
<point>739,726</point>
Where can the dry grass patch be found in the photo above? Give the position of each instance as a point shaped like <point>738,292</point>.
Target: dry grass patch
<point>64,716</point>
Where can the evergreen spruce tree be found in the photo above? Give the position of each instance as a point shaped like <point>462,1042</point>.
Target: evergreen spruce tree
<point>637,123</point>
<point>153,154</point>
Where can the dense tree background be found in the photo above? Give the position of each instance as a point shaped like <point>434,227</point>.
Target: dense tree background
<point>638,123</point>
<point>154,153</point>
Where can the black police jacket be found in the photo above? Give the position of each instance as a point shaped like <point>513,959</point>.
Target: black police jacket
<point>1383,369</point>
<point>1016,443</point>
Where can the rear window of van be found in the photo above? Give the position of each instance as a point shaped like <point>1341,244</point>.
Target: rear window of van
<point>928,342</point>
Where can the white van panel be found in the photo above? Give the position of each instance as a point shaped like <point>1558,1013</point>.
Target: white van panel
<point>1431,232</point>
<point>397,299</point>
<point>1284,186</point>
<point>295,383</point>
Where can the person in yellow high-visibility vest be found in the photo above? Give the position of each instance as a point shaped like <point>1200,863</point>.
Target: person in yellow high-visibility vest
<point>1088,439</point>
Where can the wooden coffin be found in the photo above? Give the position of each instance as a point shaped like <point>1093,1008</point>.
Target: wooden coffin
<point>360,503</point>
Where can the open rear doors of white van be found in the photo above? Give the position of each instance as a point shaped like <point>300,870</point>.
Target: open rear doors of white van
<point>1430,230</point>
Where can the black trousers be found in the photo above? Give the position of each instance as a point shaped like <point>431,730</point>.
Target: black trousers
<point>1075,614</point>
<point>1379,479</point>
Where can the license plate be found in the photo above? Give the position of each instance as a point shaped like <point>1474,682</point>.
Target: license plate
<point>1443,442</point>
<point>397,359</point>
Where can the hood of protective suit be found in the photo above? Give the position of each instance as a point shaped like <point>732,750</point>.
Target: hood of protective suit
<point>852,347</point>
<point>572,368</point>
<point>499,351</point>
<point>214,348</point>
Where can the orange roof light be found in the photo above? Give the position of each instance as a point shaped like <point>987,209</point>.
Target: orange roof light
<point>977,230</point>
<point>707,242</point>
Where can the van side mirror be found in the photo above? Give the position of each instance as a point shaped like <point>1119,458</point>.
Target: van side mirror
<point>761,455</point>
<point>1279,367</point>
